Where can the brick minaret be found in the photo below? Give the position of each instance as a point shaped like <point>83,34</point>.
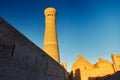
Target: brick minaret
<point>50,37</point>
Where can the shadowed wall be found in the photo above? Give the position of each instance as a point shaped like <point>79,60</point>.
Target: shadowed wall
<point>20,59</point>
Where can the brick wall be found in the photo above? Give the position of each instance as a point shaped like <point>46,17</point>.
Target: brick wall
<point>20,59</point>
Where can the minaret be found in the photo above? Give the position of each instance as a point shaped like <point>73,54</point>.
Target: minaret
<point>50,37</point>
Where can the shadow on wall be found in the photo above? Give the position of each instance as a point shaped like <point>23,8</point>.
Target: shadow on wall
<point>75,76</point>
<point>115,76</point>
<point>98,78</point>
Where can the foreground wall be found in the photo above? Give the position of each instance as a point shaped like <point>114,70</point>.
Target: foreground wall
<point>20,59</point>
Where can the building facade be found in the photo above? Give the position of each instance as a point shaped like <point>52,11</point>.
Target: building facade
<point>84,70</point>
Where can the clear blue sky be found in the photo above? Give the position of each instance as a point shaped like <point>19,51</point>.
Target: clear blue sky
<point>88,27</point>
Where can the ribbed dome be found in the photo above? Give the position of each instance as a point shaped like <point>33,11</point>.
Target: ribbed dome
<point>81,63</point>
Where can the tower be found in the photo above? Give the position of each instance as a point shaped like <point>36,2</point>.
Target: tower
<point>50,37</point>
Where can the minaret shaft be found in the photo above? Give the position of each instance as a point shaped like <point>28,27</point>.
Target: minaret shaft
<point>50,38</point>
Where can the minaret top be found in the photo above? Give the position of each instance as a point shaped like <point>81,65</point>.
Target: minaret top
<point>50,11</point>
